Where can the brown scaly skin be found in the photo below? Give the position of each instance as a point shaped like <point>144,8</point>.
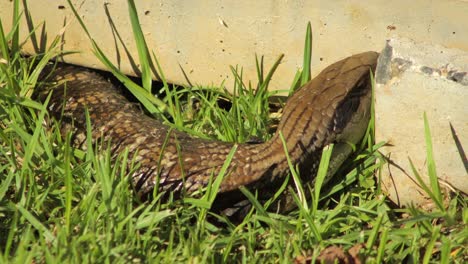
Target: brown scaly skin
<point>333,107</point>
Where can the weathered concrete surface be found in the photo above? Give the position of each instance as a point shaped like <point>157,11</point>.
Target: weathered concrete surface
<point>413,78</point>
<point>205,37</point>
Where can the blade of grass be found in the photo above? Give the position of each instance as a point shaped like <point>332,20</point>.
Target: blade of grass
<point>321,175</point>
<point>16,16</point>
<point>424,186</point>
<point>5,183</point>
<point>370,131</point>
<point>296,83</point>
<point>375,232</point>
<point>309,217</point>
<point>307,55</point>
<point>254,201</point>
<point>431,167</point>
<point>430,246</point>
<point>142,48</point>
<point>214,188</point>
<point>296,177</point>
<point>36,223</point>
<point>151,218</point>
<point>4,47</point>
<point>68,183</point>
<point>382,244</point>
<point>259,65</point>
<point>272,71</point>
<point>33,146</point>
<point>171,97</point>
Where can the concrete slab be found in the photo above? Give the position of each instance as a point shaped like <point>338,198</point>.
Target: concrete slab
<point>205,37</point>
<point>413,78</point>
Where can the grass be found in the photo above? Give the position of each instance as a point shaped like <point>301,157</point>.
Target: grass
<point>58,204</point>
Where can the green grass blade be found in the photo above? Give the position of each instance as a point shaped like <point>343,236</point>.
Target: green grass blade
<point>370,131</point>
<point>152,218</point>
<point>297,179</point>
<point>36,223</point>
<point>272,71</point>
<point>445,250</point>
<point>424,186</point>
<point>68,183</point>
<point>33,146</point>
<point>307,56</point>
<point>5,182</point>
<point>382,244</point>
<point>321,174</point>
<point>4,47</point>
<point>259,67</point>
<point>430,246</point>
<point>16,14</point>
<point>78,17</point>
<point>142,48</point>
<point>309,217</point>
<point>431,167</point>
<point>296,82</point>
<point>254,201</point>
<point>375,232</point>
<point>214,188</point>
